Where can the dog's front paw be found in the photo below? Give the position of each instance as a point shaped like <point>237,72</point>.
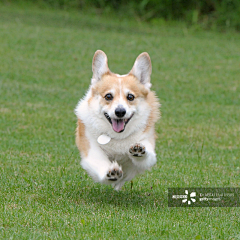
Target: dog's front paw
<point>115,172</point>
<point>137,150</point>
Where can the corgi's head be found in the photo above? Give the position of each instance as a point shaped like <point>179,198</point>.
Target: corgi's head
<point>120,101</point>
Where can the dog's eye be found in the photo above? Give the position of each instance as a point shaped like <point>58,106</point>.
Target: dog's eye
<point>109,97</point>
<point>130,97</point>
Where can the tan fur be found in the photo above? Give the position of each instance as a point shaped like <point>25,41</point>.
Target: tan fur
<point>81,139</point>
<point>155,112</point>
<point>111,81</point>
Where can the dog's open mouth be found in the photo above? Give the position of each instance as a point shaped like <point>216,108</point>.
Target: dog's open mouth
<point>118,125</point>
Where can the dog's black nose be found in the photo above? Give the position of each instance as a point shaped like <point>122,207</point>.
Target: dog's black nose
<point>120,112</point>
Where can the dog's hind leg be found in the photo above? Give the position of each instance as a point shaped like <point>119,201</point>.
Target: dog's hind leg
<point>119,185</point>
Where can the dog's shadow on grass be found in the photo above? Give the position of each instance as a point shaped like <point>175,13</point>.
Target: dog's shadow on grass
<point>128,198</point>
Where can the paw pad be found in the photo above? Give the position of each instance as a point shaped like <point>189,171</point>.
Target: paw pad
<point>137,150</point>
<point>114,174</point>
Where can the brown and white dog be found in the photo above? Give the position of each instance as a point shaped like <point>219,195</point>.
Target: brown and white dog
<point>115,133</point>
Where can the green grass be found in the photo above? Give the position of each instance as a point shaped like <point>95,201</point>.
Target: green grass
<point>45,68</point>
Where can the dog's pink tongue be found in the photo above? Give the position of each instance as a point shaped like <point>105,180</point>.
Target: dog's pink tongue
<point>118,125</point>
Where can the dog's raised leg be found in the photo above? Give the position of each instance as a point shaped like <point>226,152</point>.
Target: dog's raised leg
<point>115,172</point>
<point>100,168</point>
<point>143,155</point>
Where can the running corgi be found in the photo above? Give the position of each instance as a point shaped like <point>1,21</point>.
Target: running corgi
<point>116,122</point>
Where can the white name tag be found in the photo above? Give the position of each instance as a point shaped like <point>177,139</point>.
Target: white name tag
<point>103,139</point>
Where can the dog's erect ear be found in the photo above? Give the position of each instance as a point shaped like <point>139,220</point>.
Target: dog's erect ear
<point>142,69</point>
<point>99,65</point>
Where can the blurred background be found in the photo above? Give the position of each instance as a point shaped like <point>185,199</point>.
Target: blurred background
<point>221,14</point>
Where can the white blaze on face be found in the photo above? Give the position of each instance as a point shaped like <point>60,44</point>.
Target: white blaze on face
<point>118,124</point>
